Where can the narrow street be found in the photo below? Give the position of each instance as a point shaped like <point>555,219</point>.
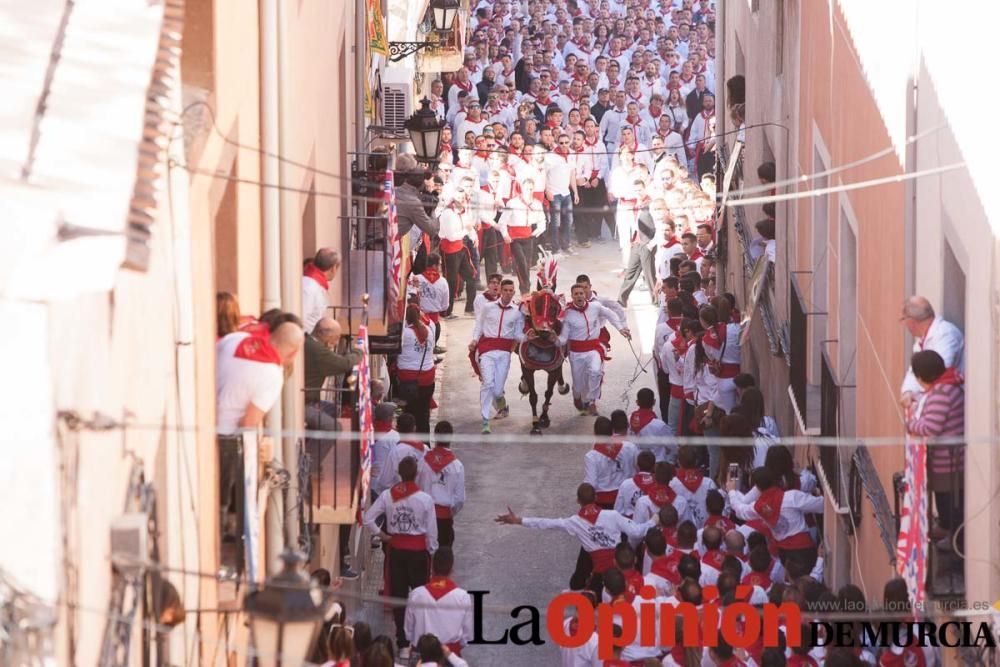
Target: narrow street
<point>518,566</point>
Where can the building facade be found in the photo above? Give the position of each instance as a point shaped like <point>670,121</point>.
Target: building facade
<point>833,102</point>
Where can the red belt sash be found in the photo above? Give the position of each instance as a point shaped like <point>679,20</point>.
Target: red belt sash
<point>676,391</point>
<point>603,560</point>
<point>409,542</point>
<point>490,344</point>
<point>606,498</point>
<point>797,541</point>
<point>455,647</point>
<point>442,511</point>
<point>423,378</point>
<point>594,345</point>
<point>433,316</point>
<point>451,247</point>
<point>519,232</point>
<point>728,370</point>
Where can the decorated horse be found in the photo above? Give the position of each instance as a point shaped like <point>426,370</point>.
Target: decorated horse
<point>541,351</point>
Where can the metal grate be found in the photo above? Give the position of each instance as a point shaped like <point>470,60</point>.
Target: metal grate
<point>798,335</point>
<point>393,106</point>
<point>830,405</point>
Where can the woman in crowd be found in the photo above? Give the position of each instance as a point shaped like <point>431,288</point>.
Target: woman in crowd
<point>416,369</point>
<point>227,314</point>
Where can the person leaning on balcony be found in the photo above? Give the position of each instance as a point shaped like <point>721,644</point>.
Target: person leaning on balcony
<point>321,362</point>
<point>940,413</point>
<point>415,225</point>
<point>929,332</point>
<point>315,282</point>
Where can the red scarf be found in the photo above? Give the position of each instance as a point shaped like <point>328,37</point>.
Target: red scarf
<point>490,297</point>
<point>672,242</point>
<point>951,376</point>
<point>432,275</point>
<point>589,142</point>
<point>640,419</point>
<point>633,582</point>
<point>720,522</point>
<point>761,579</point>
<point>382,426</point>
<point>402,490</point>
<point>312,272</point>
<point>467,86</point>
<point>438,458</point>
<point>257,348</point>
<point>644,481</point>
<point>416,444</point>
<point>438,587</point>
<point>609,450</point>
<point>768,506</point>
<point>563,154</point>
<point>713,557</point>
<point>661,495</point>
<point>691,478</point>
<point>589,513</point>
<point>666,567</point>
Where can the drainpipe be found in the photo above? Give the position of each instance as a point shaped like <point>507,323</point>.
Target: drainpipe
<point>292,400</point>
<point>271,221</point>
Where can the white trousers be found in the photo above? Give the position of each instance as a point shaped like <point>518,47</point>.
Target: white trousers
<point>493,368</point>
<point>726,395</point>
<point>626,223</point>
<point>587,369</point>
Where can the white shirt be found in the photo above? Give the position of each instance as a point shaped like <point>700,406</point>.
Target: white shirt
<point>314,303</point>
<point>412,515</point>
<point>583,656</point>
<point>702,384</point>
<point>390,471</point>
<point>447,486</point>
<point>560,172</point>
<point>697,513</point>
<point>433,295</point>
<point>523,214</point>
<point>604,533</point>
<point>586,324</point>
<point>381,451</point>
<point>629,494</point>
<point>412,351</point>
<point>944,338</point>
<point>673,144</point>
<point>453,226</point>
<point>607,474</point>
<point>496,320</point>
<point>468,125</point>
<point>240,382</point>
<point>611,126</point>
<point>791,520</point>
<point>646,509</point>
<point>449,618</point>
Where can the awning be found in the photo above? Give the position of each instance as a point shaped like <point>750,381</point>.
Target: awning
<point>77,77</point>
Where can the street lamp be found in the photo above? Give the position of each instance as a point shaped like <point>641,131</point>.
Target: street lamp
<point>443,14</point>
<point>425,132</point>
<point>285,615</point>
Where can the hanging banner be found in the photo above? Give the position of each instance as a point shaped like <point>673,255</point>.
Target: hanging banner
<point>397,274</point>
<point>366,426</point>
<point>911,549</point>
<point>377,40</point>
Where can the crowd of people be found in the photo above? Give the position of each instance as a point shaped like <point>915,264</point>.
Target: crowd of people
<point>575,122</point>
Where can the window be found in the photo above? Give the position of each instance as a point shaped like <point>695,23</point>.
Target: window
<point>847,321</point>
<point>953,289</point>
<point>226,230</point>
<point>779,37</point>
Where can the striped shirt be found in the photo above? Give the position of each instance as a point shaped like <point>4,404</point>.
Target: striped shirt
<point>942,414</point>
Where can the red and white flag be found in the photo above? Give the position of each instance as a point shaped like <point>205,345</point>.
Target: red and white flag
<point>911,547</point>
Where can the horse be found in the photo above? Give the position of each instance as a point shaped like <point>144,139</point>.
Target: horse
<point>542,352</point>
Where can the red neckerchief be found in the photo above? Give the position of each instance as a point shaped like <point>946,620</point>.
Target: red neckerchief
<point>768,506</point>
<point>416,444</point>
<point>589,142</point>
<point>382,426</point>
<point>608,449</point>
<point>589,513</point>
<point>432,275</point>
<point>696,254</point>
<point>438,458</point>
<point>644,481</point>
<point>706,114</point>
<point>657,116</point>
<point>797,660</point>
<point>257,348</point>
<point>680,345</point>
<point>714,336</point>
<point>632,121</point>
<point>466,86</point>
<point>758,579</point>
<point>614,83</point>
<point>672,242</point>
<point>490,297</point>
<point>691,478</point>
<point>438,587</point>
<point>713,557</point>
<point>402,490</point>
<point>639,419</point>
<point>951,376</point>
<point>719,521</point>
<point>561,153</point>
<point>633,582</point>
<point>664,134</point>
<point>544,100</point>
<point>482,154</point>
<point>312,272</point>
<point>636,97</point>
<point>457,208</point>
<point>687,80</point>
<point>661,495</point>
<point>666,567</point>
<point>674,323</point>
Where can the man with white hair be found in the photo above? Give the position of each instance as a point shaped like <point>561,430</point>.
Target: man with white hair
<point>929,332</point>
<point>315,282</point>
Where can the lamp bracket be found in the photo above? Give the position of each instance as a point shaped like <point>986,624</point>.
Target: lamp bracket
<point>400,50</point>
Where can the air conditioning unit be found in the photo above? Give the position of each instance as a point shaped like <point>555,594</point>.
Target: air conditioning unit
<point>397,97</point>
<point>130,542</point>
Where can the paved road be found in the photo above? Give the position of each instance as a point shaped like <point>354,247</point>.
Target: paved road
<point>519,566</point>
